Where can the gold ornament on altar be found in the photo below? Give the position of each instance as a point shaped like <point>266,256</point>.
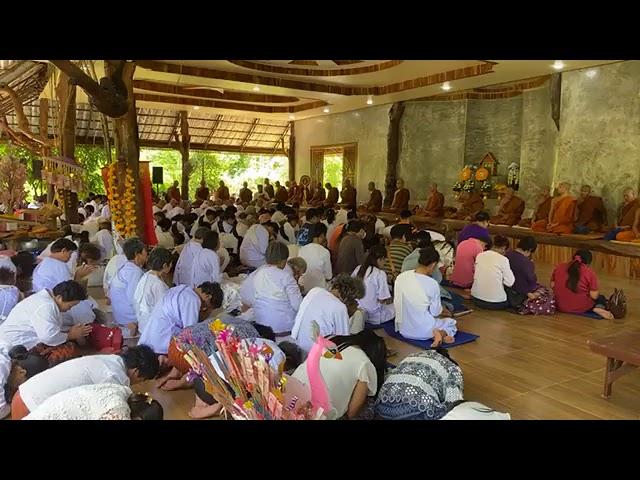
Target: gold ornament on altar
<point>482,174</point>
<point>465,174</point>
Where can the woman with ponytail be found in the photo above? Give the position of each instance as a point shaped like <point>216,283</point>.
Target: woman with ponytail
<point>575,286</point>
<point>17,365</point>
<point>377,301</point>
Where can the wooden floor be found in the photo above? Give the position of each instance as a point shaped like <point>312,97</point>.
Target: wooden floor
<point>531,367</point>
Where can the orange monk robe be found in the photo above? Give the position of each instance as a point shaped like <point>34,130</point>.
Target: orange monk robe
<point>541,213</point>
<point>282,195</point>
<point>434,206</point>
<point>626,217</point>
<point>591,213</point>
<point>319,196</point>
<point>223,193</point>
<point>332,197</point>
<point>294,192</point>
<point>268,189</point>
<point>400,200</point>
<point>202,193</point>
<point>375,202</point>
<point>509,213</point>
<point>349,196</point>
<point>562,216</point>
<point>470,207</point>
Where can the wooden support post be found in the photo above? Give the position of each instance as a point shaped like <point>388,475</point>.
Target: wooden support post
<point>393,151</point>
<point>44,133</point>
<point>292,152</point>
<point>66,93</point>
<point>184,142</point>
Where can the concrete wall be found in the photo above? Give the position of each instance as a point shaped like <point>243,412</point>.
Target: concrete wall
<point>368,127</point>
<point>432,144</point>
<point>599,139</point>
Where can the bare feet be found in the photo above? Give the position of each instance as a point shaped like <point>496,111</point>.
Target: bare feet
<point>449,339</point>
<point>603,313</point>
<point>199,412</point>
<point>437,338</point>
<point>174,374</point>
<point>173,384</point>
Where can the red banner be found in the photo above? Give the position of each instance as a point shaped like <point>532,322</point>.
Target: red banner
<point>149,232</point>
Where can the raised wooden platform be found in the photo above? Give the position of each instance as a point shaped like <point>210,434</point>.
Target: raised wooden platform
<point>614,258</point>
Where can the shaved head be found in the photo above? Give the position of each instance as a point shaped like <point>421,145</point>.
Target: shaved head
<point>629,195</point>
<point>564,187</point>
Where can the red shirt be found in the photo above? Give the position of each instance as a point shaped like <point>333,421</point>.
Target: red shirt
<point>569,301</point>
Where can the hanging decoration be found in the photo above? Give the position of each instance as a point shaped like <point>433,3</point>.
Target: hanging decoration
<point>121,192</point>
<point>513,176</point>
<point>63,173</point>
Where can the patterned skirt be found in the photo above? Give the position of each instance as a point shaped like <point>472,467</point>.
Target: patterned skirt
<point>58,354</point>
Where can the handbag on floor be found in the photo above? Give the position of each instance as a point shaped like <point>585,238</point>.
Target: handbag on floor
<point>105,339</point>
<point>617,304</point>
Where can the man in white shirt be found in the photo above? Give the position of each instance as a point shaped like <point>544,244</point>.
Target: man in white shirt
<point>184,266</point>
<point>492,273</point>
<point>318,259</point>
<point>172,209</point>
<point>135,365</point>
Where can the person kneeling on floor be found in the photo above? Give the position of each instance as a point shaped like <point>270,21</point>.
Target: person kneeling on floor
<point>491,274</point>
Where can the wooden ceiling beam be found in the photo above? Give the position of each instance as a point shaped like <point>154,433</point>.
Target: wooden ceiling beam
<point>281,138</point>
<point>251,130</point>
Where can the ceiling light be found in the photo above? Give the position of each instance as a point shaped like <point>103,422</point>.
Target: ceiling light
<point>196,107</point>
<point>446,86</point>
<point>558,65</point>
<point>326,110</point>
<point>370,100</point>
<point>591,73</point>
<point>256,89</point>
<point>292,117</point>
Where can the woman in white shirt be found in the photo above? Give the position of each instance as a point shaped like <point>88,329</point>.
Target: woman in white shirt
<point>328,309</point>
<point>288,230</point>
<point>492,273</point>
<point>206,264</point>
<point>10,295</point>
<point>36,322</point>
<point>164,235</point>
<point>104,238</point>
<point>318,259</point>
<point>152,287</point>
<point>417,303</point>
<point>355,377</point>
<point>377,301</point>
<point>16,367</point>
<point>276,294</point>
<point>255,242</point>
<point>102,401</point>
<point>134,365</point>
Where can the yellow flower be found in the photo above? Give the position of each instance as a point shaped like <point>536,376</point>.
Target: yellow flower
<point>218,326</point>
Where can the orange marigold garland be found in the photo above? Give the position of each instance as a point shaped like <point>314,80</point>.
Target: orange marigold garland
<point>122,201</point>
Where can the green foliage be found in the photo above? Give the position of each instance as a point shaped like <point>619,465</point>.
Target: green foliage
<point>333,170</point>
<point>92,158</point>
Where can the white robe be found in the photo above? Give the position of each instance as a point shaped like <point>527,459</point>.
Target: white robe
<point>102,401</point>
<point>206,268</point>
<point>277,298</point>
<point>36,319</point>
<point>5,370</point>
<point>173,211</point>
<point>290,232</point>
<point>184,266</point>
<point>225,258</point>
<point>91,226</point>
<point>254,246</point>
<point>9,298</point>
<point>319,269</point>
<point>88,370</point>
<point>148,294</point>
<point>165,239</point>
<point>324,308</point>
<point>73,261</point>
<point>104,239</point>
<point>122,290</point>
<point>179,308</point>
<point>376,290</point>
<point>417,304</point>
<point>248,288</point>
<point>110,271</point>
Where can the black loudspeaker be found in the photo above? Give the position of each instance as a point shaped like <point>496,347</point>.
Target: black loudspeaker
<point>157,176</point>
<point>37,170</point>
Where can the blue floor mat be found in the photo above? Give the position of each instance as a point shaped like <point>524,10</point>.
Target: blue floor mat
<point>460,338</point>
<point>593,315</point>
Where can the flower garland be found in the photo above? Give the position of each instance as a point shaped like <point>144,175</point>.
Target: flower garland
<point>122,204</point>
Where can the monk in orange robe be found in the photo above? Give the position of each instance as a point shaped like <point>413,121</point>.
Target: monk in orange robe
<point>400,198</point>
<point>435,204</point>
<point>471,203</point>
<point>591,216</point>
<point>319,196</point>
<point>542,209</point>
<point>627,227</point>
<point>332,195</point>
<point>511,208</point>
<point>349,194</point>
<point>562,214</point>
<point>294,192</point>
<point>223,192</point>
<point>282,195</point>
<point>374,205</point>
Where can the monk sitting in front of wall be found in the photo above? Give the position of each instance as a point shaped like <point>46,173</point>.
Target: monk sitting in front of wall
<point>542,209</point>
<point>562,214</point>
<point>511,208</point>
<point>472,203</point>
<point>627,226</point>
<point>401,199</point>
<point>591,216</point>
<point>434,206</point>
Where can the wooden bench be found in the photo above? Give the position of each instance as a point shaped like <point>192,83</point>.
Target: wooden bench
<point>623,356</point>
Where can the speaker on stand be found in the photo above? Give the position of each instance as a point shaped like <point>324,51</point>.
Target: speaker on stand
<point>157,177</point>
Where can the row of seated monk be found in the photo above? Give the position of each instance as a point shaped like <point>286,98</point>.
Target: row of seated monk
<point>561,213</point>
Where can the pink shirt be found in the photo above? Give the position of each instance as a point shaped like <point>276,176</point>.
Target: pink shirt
<point>463,270</point>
